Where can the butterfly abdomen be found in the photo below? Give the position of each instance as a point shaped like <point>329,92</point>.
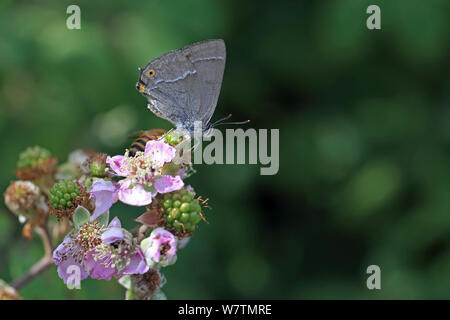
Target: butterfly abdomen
<point>142,138</point>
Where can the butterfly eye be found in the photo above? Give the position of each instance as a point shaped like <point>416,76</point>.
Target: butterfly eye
<point>151,73</point>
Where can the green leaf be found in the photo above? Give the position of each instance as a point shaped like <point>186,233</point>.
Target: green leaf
<point>80,216</point>
<point>103,219</point>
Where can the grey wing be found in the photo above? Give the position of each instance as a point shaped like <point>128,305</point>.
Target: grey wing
<point>186,83</point>
<point>208,58</point>
<point>171,85</point>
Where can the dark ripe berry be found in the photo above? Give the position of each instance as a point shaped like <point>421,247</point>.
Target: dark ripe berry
<point>63,194</point>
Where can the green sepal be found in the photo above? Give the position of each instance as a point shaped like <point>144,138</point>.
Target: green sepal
<point>103,219</point>
<point>158,295</point>
<point>80,216</point>
<point>125,281</point>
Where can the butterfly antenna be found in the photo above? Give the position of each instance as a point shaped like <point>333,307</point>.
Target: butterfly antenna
<point>221,121</point>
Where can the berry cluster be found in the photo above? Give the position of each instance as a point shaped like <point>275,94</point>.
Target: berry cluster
<point>63,194</point>
<point>32,156</point>
<point>181,211</point>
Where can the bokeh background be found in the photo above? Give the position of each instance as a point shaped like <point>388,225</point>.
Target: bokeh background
<point>364,119</point>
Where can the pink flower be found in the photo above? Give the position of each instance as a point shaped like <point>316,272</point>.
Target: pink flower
<point>117,164</point>
<point>168,184</point>
<point>99,252</point>
<point>160,248</point>
<point>142,181</point>
<point>159,152</point>
<point>105,194</point>
<point>135,196</point>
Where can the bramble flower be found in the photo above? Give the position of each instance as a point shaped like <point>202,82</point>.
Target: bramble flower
<point>87,186</point>
<point>160,248</point>
<point>99,252</point>
<point>143,174</point>
<point>145,168</point>
<point>22,198</point>
<point>105,194</point>
<point>145,286</point>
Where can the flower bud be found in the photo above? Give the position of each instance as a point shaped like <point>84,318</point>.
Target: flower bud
<point>160,248</point>
<point>145,286</point>
<point>95,165</point>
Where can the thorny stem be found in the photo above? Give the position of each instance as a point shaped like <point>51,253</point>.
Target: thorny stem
<point>40,266</point>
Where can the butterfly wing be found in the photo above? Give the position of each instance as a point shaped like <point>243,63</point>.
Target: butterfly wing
<point>183,86</point>
<point>208,58</point>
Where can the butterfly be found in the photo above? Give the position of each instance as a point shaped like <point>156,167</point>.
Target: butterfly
<point>183,86</point>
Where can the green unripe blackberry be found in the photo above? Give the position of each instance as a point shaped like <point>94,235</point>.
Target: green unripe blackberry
<point>63,194</point>
<point>97,169</point>
<point>167,204</point>
<point>32,156</point>
<point>185,217</point>
<point>176,204</point>
<point>175,213</point>
<point>181,211</point>
<point>185,207</point>
<point>195,218</point>
<point>173,138</point>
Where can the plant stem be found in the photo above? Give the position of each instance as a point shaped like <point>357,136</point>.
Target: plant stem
<point>40,266</point>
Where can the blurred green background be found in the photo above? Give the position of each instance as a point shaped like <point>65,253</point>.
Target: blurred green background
<point>364,119</point>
